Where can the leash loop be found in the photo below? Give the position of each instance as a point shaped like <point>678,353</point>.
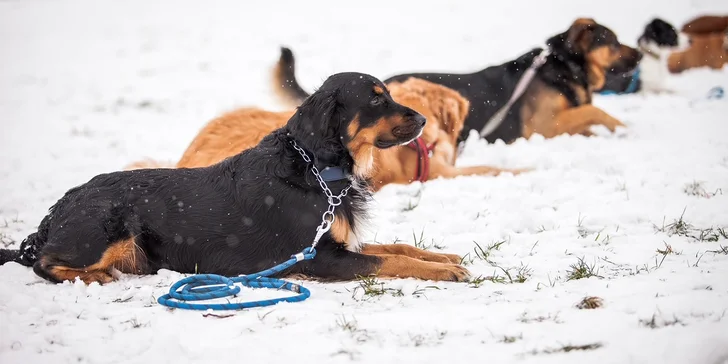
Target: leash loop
<point>335,201</point>
<point>202,287</point>
<point>327,218</point>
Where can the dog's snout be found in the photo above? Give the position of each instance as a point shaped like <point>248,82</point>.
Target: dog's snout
<point>411,125</point>
<point>419,120</point>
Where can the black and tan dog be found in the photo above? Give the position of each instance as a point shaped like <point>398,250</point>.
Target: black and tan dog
<point>248,212</point>
<point>557,101</point>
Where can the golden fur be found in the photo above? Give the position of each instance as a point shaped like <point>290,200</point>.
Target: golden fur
<point>444,108</point>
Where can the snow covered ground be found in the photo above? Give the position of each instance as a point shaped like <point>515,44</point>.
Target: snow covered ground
<point>88,86</point>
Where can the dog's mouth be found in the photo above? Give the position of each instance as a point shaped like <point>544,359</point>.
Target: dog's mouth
<point>403,134</point>
<point>385,143</point>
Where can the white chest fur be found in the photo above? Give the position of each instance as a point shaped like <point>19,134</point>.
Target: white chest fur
<point>653,67</point>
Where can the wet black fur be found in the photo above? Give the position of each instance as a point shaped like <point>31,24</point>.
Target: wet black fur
<point>242,215</point>
<point>489,89</point>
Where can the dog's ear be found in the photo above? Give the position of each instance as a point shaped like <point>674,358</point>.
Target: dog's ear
<point>318,113</point>
<point>450,107</point>
<point>317,124</point>
<point>579,35</point>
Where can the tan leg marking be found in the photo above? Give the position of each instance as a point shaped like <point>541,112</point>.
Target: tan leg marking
<point>578,120</point>
<point>548,113</point>
<point>410,251</point>
<point>124,255</point>
<point>400,266</point>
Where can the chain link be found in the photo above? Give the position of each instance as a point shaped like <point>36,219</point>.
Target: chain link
<point>328,216</point>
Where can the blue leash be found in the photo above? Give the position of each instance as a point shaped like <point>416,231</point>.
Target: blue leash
<point>201,287</point>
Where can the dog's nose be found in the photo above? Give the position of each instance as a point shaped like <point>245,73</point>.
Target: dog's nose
<point>420,120</point>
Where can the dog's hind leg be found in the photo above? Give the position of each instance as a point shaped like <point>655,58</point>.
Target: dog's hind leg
<point>409,251</point>
<point>447,171</point>
<point>440,166</point>
<point>58,265</point>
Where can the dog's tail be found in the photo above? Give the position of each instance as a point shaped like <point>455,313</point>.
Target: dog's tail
<point>285,85</point>
<point>29,251</point>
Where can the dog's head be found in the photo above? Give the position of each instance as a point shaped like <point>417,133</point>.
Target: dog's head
<point>348,117</point>
<point>660,34</point>
<point>599,48</point>
<point>444,108</point>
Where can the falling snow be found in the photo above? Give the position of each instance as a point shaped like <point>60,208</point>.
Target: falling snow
<point>610,251</point>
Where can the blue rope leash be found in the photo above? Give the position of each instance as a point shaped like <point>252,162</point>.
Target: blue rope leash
<point>201,287</point>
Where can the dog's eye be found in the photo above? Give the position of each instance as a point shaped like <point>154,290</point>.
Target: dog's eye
<point>376,100</point>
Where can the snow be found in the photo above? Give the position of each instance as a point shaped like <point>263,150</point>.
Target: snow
<point>89,86</point>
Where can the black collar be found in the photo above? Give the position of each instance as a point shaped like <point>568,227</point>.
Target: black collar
<point>328,173</point>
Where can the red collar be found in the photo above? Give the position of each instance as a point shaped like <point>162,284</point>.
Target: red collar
<point>424,153</point>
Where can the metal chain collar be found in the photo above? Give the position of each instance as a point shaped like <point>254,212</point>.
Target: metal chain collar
<point>328,217</point>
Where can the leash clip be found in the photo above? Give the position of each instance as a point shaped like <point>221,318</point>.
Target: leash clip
<point>320,231</point>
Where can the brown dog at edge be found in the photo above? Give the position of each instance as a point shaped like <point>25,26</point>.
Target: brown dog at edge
<point>708,44</point>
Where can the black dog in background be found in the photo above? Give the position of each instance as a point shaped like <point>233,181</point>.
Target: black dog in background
<point>657,41</point>
<point>579,58</point>
<point>244,214</point>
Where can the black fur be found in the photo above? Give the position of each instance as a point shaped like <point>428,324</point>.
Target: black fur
<point>489,89</point>
<point>659,32</point>
<point>242,215</point>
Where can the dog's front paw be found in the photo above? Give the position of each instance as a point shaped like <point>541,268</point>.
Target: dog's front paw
<point>612,124</point>
<point>451,273</point>
<point>454,258</point>
<point>441,258</point>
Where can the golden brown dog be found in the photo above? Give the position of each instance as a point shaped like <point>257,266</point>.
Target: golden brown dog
<point>708,45</point>
<point>444,109</point>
